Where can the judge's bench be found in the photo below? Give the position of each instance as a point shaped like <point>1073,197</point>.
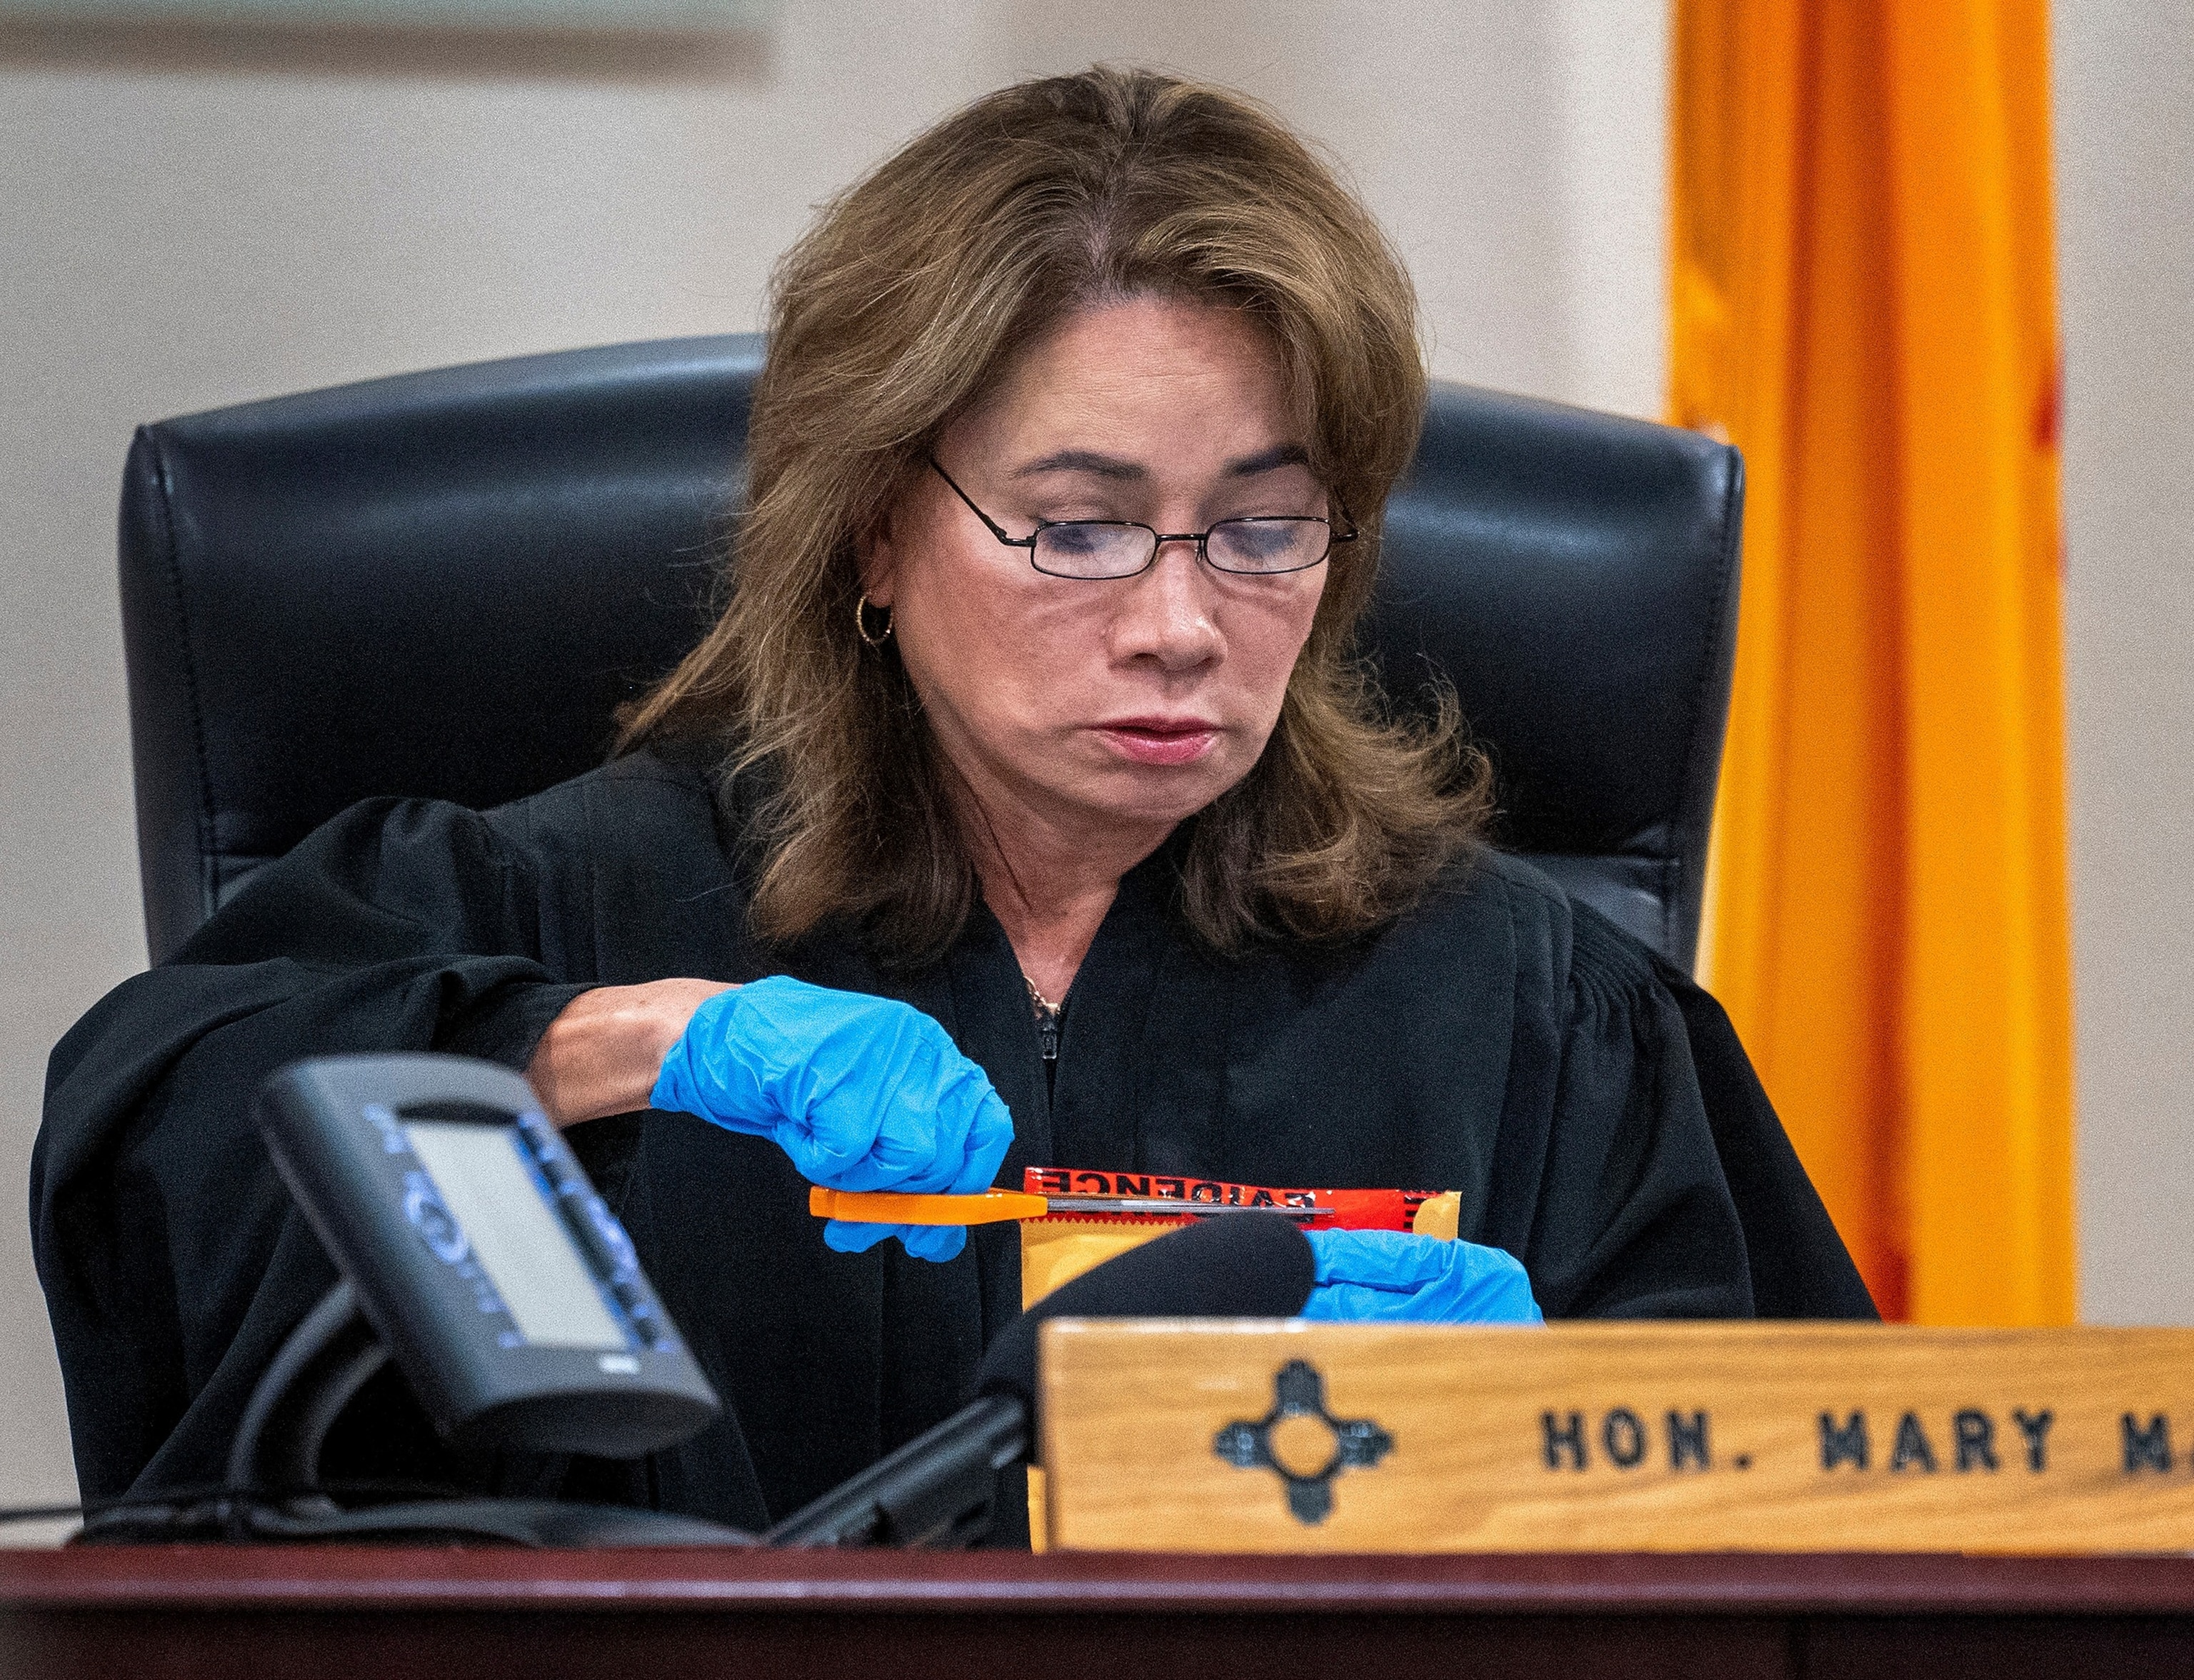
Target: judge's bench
<point>1699,1500</point>
<point>302,1613</point>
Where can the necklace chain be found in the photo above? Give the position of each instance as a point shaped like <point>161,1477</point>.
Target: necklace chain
<point>1044,1006</point>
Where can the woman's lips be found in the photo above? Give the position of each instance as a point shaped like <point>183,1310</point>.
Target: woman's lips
<point>1159,741</point>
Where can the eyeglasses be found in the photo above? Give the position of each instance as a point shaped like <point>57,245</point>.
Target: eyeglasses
<point>1260,546</point>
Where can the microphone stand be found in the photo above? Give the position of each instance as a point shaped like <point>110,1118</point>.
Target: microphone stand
<point>937,1490</point>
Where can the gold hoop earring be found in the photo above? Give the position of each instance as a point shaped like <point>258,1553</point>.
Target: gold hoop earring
<point>861,622</point>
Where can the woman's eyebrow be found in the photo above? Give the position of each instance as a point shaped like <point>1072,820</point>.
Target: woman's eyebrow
<point>1081,461</point>
<point>1268,461</point>
<point>1113,467</point>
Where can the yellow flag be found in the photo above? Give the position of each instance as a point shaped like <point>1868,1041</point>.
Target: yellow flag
<point>1864,302</point>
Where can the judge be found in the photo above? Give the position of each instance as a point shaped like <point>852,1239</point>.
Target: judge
<point>1027,771</point>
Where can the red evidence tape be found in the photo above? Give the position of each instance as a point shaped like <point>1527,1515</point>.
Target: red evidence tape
<point>1336,1209</point>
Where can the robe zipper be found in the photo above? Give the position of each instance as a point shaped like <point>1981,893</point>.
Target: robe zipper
<point>1048,1018</point>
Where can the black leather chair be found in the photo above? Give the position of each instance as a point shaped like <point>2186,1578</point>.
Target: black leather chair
<point>442,584</point>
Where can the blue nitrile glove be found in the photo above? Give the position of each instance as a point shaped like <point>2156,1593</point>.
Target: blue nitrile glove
<point>864,1094</point>
<point>1400,1277</point>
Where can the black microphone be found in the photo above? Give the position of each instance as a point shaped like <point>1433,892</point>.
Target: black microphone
<point>939,1488</point>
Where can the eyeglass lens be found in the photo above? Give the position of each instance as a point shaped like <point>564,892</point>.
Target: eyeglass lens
<point>1095,549</point>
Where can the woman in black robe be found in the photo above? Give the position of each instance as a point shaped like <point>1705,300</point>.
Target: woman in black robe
<point>1019,696</point>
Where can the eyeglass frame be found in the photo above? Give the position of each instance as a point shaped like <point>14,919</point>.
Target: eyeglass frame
<point>1200,538</point>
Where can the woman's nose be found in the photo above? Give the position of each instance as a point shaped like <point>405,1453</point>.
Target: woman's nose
<point>1166,612</point>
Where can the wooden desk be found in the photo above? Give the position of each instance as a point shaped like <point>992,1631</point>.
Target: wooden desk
<point>154,1613</point>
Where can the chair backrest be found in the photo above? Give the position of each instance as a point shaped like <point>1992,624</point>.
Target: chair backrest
<point>443,585</point>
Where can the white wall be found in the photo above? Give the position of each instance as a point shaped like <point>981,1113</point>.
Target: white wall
<point>2125,149</point>
<point>192,220</point>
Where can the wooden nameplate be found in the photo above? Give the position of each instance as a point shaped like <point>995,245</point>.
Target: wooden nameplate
<point>1252,1436</point>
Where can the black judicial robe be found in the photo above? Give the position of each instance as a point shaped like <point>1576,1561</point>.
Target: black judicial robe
<point>1593,1107</point>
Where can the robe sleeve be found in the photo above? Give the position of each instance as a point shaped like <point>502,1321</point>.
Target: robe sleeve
<point>1798,1264</point>
<point>173,1260</point>
<point>1669,1190</point>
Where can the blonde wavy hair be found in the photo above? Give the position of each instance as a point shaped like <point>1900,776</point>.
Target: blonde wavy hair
<point>894,314</point>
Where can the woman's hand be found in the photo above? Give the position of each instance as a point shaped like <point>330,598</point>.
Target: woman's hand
<point>863,1092</point>
<point>1398,1276</point>
<point>602,1054</point>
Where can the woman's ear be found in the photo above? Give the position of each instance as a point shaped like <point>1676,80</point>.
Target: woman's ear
<point>876,555</point>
